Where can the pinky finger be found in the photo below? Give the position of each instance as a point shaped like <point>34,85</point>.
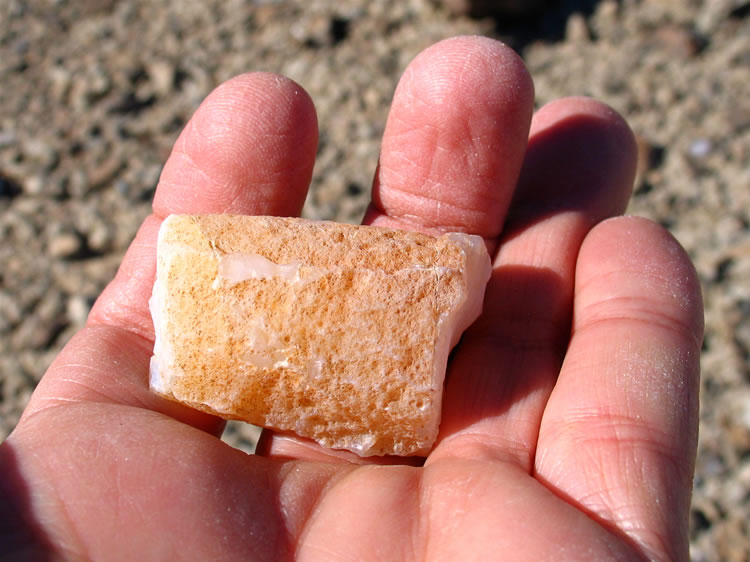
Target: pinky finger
<point>619,433</point>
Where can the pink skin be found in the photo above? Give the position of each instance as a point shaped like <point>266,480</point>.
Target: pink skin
<point>569,428</point>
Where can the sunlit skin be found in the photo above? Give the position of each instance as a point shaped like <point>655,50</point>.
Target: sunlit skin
<point>570,408</point>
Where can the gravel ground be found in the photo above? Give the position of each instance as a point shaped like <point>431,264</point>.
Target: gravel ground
<point>94,93</point>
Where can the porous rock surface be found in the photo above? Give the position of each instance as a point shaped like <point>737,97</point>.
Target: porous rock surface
<point>94,94</point>
<point>335,332</point>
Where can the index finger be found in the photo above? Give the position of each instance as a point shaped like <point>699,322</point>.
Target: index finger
<point>249,149</point>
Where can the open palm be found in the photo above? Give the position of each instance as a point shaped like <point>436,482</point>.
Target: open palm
<point>570,410</point>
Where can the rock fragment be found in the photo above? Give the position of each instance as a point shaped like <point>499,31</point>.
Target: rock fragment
<point>337,333</point>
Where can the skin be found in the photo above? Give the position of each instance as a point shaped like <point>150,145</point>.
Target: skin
<point>570,409</point>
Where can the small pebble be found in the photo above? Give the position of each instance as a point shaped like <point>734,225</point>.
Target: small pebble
<point>700,148</point>
<point>576,29</point>
<point>78,310</point>
<point>7,138</point>
<point>64,245</point>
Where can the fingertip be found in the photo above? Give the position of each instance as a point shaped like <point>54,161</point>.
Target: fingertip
<point>445,71</point>
<point>642,254</point>
<point>581,153</point>
<point>571,106</point>
<point>455,138</point>
<point>249,149</point>
<point>609,125</point>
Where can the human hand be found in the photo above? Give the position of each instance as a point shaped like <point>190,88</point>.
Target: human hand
<point>570,410</point>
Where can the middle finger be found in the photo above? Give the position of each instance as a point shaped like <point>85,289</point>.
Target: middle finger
<point>455,139</point>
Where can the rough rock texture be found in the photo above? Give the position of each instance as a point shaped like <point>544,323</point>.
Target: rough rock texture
<point>94,93</point>
<point>335,332</point>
